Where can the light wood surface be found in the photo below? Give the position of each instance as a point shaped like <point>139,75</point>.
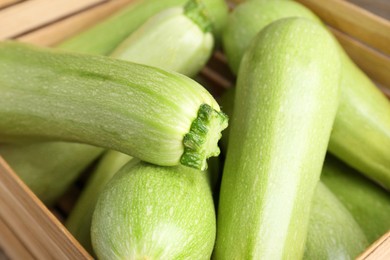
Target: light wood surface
<point>29,15</point>
<point>354,21</point>
<point>375,64</point>
<point>5,3</point>
<point>25,221</point>
<point>380,250</point>
<point>49,36</point>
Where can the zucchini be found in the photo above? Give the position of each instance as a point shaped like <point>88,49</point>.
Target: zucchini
<point>365,148</point>
<point>177,39</point>
<point>26,160</point>
<point>280,130</point>
<point>152,212</point>
<point>79,220</point>
<point>248,18</point>
<point>333,232</point>
<point>157,116</point>
<point>368,203</point>
<point>104,37</point>
<point>189,58</point>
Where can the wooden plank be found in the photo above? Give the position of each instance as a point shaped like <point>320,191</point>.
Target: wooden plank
<point>28,15</point>
<point>380,250</point>
<point>12,246</point>
<point>57,32</point>
<point>5,3</point>
<point>375,64</point>
<point>353,20</point>
<point>378,7</point>
<point>33,224</point>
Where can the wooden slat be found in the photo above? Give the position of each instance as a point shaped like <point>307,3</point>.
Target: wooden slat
<point>28,15</point>
<point>12,246</point>
<point>380,250</point>
<point>353,20</point>
<point>378,7</point>
<point>32,223</point>
<point>55,33</point>
<point>5,3</point>
<point>375,64</point>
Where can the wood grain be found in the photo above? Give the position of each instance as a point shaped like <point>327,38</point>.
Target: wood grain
<point>375,64</point>
<point>49,36</point>
<point>354,21</point>
<point>5,3</point>
<point>28,15</point>
<point>380,250</point>
<point>14,248</point>
<point>32,223</point>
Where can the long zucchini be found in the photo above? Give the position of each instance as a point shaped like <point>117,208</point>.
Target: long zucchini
<point>333,232</point>
<point>151,212</point>
<point>104,37</point>
<point>51,178</point>
<point>178,53</point>
<point>160,117</point>
<point>79,220</point>
<point>368,203</point>
<point>177,39</point>
<point>286,100</point>
<point>365,148</point>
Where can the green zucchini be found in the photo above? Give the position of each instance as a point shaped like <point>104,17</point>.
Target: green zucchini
<point>365,148</point>
<point>79,221</point>
<point>152,212</point>
<point>286,101</point>
<point>333,232</point>
<point>368,203</point>
<point>248,18</point>
<point>104,37</point>
<point>188,59</point>
<point>157,116</point>
<point>26,160</point>
<point>176,39</point>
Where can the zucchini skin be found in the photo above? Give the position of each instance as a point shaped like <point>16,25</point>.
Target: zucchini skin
<point>79,220</point>
<point>361,132</point>
<point>368,203</point>
<point>177,113</point>
<point>118,27</point>
<point>280,130</point>
<point>333,233</point>
<point>50,181</point>
<point>151,212</point>
<point>170,40</point>
<point>248,18</point>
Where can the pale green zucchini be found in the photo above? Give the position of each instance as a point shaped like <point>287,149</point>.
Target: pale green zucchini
<point>104,37</point>
<point>361,133</point>
<point>79,220</point>
<point>176,39</point>
<point>47,172</point>
<point>152,212</point>
<point>188,59</point>
<point>248,18</point>
<point>333,232</point>
<point>160,117</point>
<point>286,101</point>
<point>368,203</point>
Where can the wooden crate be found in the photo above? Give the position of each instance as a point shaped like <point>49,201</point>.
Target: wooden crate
<point>29,230</point>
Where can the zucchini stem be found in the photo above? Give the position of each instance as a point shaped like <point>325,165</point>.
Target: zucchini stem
<point>200,142</point>
<point>197,12</point>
